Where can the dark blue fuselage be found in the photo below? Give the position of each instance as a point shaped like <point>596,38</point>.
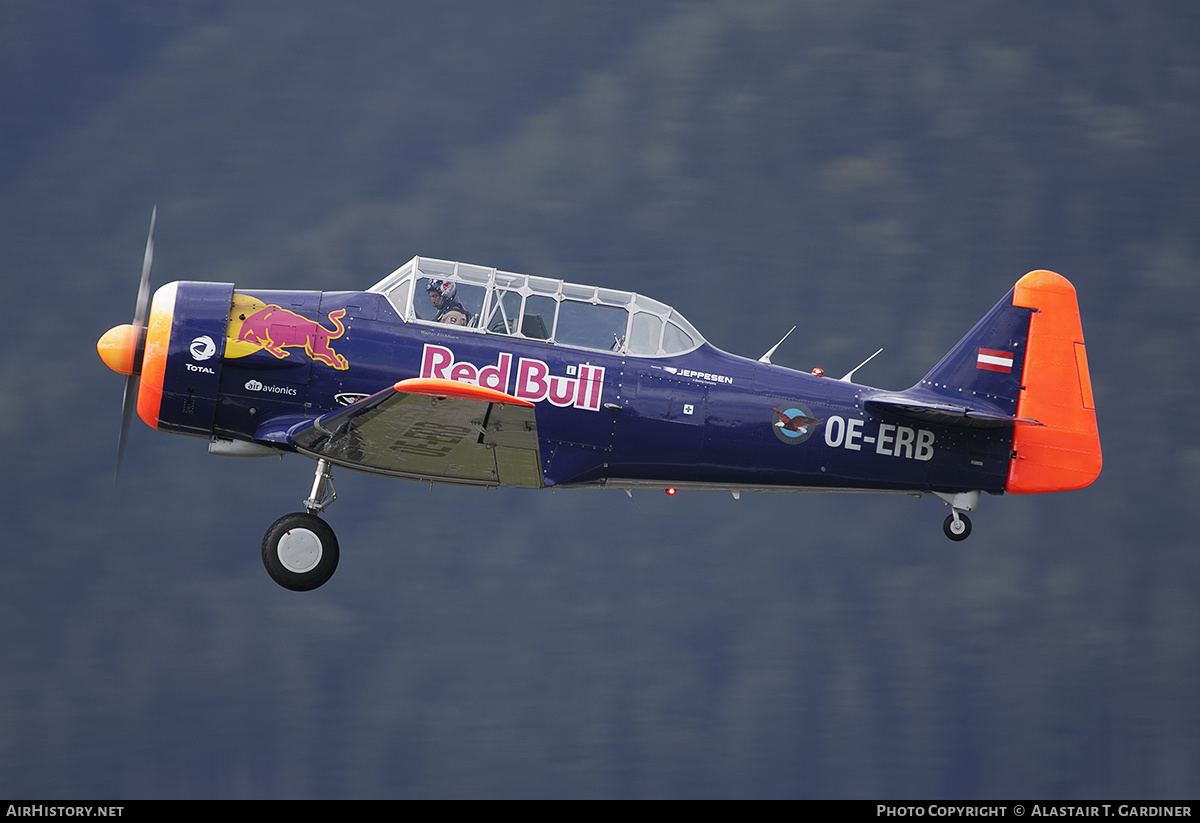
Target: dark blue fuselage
<point>705,418</point>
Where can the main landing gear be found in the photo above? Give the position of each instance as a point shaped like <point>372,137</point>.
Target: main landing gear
<point>300,550</point>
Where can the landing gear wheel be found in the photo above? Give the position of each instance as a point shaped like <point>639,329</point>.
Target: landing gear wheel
<point>957,529</point>
<point>300,551</point>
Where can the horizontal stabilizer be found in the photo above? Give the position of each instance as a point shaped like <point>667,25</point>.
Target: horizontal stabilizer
<point>943,413</point>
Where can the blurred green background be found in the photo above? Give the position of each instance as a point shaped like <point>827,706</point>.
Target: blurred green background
<point>879,173</point>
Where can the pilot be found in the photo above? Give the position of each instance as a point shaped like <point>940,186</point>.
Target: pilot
<point>449,310</point>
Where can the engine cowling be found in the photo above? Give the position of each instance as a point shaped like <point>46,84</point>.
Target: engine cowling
<point>179,362</point>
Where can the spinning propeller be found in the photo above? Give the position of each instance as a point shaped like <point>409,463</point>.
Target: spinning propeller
<point>122,348</point>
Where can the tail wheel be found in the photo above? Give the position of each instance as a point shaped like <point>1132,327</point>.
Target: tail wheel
<point>957,528</point>
<point>300,551</point>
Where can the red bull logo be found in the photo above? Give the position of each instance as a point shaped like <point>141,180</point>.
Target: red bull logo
<point>258,326</point>
<point>581,387</point>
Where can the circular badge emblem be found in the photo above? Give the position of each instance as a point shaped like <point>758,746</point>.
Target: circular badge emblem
<point>203,348</point>
<point>794,423</point>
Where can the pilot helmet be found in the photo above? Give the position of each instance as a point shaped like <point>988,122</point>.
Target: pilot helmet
<point>445,288</point>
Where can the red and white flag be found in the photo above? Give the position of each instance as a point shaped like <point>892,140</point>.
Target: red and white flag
<point>993,360</point>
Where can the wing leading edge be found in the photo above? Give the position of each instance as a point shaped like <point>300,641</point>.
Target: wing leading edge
<point>429,429</point>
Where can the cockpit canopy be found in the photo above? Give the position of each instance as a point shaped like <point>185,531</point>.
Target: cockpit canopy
<point>536,308</point>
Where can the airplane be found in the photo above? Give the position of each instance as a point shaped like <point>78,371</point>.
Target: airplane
<point>448,372</point>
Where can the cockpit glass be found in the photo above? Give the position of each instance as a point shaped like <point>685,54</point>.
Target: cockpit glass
<point>487,301</point>
<point>538,320</point>
<point>645,333</point>
<point>676,340</point>
<point>504,317</point>
<point>591,326</point>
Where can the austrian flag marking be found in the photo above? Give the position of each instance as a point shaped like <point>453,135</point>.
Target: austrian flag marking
<point>993,360</point>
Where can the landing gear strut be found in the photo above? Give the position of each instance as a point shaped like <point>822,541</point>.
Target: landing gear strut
<point>300,550</point>
<point>323,492</point>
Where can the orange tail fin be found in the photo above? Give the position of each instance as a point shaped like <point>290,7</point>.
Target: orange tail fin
<point>1061,450</point>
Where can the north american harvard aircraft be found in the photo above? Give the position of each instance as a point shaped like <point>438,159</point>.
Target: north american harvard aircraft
<point>445,372</point>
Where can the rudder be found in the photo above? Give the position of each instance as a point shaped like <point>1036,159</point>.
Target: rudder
<point>1059,449</point>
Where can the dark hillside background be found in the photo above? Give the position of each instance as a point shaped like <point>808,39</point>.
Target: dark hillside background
<point>878,173</point>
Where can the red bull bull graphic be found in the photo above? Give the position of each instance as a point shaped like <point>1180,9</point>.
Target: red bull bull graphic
<point>258,326</point>
<point>581,387</point>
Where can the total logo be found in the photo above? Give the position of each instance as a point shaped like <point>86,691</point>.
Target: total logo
<point>580,387</point>
<point>203,348</point>
<point>255,385</point>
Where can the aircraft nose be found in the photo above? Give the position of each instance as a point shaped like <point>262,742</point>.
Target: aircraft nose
<point>116,348</point>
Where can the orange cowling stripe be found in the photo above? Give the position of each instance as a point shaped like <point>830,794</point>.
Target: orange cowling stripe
<point>154,361</point>
<point>436,387</point>
<point>1062,450</point>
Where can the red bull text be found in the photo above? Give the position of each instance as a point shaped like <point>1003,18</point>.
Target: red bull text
<point>533,381</point>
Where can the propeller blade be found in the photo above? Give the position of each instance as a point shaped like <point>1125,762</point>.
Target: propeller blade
<point>143,298</point>
<point>127,404</point>
<point>137,341</point>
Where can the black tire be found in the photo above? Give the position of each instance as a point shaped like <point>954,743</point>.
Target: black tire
<point>300,551</point>
<point>964,524</point>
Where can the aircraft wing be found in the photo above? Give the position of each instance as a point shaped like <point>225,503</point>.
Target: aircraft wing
<point>431,429</point>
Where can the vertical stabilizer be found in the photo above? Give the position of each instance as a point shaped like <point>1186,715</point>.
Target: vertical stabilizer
<point>1061,450</point>
<point>984,370</point>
